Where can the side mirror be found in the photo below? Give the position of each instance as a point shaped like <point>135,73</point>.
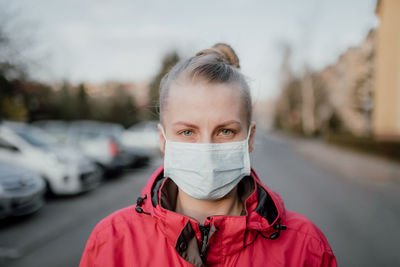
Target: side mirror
<point>14,148</point>
<point>9,147</point>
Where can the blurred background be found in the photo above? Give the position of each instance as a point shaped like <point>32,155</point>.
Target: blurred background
<point>78,112</point>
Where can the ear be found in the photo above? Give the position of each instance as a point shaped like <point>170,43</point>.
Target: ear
<point>252,136</point>
<point>162,139</point>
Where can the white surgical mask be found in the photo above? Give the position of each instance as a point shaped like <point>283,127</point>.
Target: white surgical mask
<point>206,171</point>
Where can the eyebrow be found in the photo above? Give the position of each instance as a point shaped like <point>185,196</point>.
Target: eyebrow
<point>226,123</point>
<point>188,124</point>
<point>191,125</point>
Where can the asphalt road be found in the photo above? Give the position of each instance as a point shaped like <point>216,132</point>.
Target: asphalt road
<point>360,217</point>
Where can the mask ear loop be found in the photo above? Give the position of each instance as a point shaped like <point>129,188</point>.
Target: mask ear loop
<point>248,134</point>
<point>163,133</point>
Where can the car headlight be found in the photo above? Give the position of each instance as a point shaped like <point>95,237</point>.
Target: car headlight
<point>59,158</point>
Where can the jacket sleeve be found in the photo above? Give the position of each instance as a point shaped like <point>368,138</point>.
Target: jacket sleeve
<point>328,259</point>
<point>319,250</point>
<point>89,254</point>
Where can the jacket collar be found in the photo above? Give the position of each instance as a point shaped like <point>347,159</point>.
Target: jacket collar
<point>228,234</point>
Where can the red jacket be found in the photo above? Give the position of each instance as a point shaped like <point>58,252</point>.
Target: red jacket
<point>151,234</point>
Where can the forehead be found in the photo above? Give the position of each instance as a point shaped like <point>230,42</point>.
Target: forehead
<point>200,102</point>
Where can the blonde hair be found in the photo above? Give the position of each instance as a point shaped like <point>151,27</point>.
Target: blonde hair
<point>218,64</point>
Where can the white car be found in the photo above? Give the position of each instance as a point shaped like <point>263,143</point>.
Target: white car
<point>143,135</point>
<point>100,143</point>
<point>21,191</point>
<point>65,171</point>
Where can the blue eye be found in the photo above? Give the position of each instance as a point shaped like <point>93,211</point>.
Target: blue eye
<point>187,133</point>
<point>226,132</point>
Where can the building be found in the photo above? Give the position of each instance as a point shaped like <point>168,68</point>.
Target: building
<point>386,115</point>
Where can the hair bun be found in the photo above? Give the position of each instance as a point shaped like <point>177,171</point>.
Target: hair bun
<point>225,53</point>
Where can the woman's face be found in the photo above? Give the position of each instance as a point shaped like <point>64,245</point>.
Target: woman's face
<point>205,113</point>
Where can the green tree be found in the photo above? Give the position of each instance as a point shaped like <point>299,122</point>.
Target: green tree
<point>11,102</point>
<point>122,108</point>
<point>169,60</point>
<point>83,104</point>
<point>65,103</point>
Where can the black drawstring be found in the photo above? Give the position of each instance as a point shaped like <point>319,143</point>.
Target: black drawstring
<point>139,204</point>
<point>278,226</point>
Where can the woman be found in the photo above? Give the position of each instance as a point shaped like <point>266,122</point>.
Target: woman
<point>206,206</point>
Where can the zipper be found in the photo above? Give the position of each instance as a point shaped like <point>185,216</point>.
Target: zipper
<point>204,230</point>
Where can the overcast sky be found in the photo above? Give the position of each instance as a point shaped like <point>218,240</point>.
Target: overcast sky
<point>103,40</point>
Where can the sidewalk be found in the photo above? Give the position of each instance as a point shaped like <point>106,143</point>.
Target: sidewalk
<point>349,163</point>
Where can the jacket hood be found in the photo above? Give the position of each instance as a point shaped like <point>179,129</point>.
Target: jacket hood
<point>263,214</point>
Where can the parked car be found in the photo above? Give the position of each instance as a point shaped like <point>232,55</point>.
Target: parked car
<point>65,171</point>
<point>100,142</point>
<point>143,135</point>
<point>21,191</point>
<point>139,156</point>
<point>56,128</point>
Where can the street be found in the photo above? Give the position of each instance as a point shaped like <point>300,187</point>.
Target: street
<point>357,210</point>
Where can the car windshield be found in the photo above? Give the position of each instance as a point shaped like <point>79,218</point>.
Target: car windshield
<point>114,131</point>
<point>146,126</point>
<point>36,137</point>
<point>100,131</point>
